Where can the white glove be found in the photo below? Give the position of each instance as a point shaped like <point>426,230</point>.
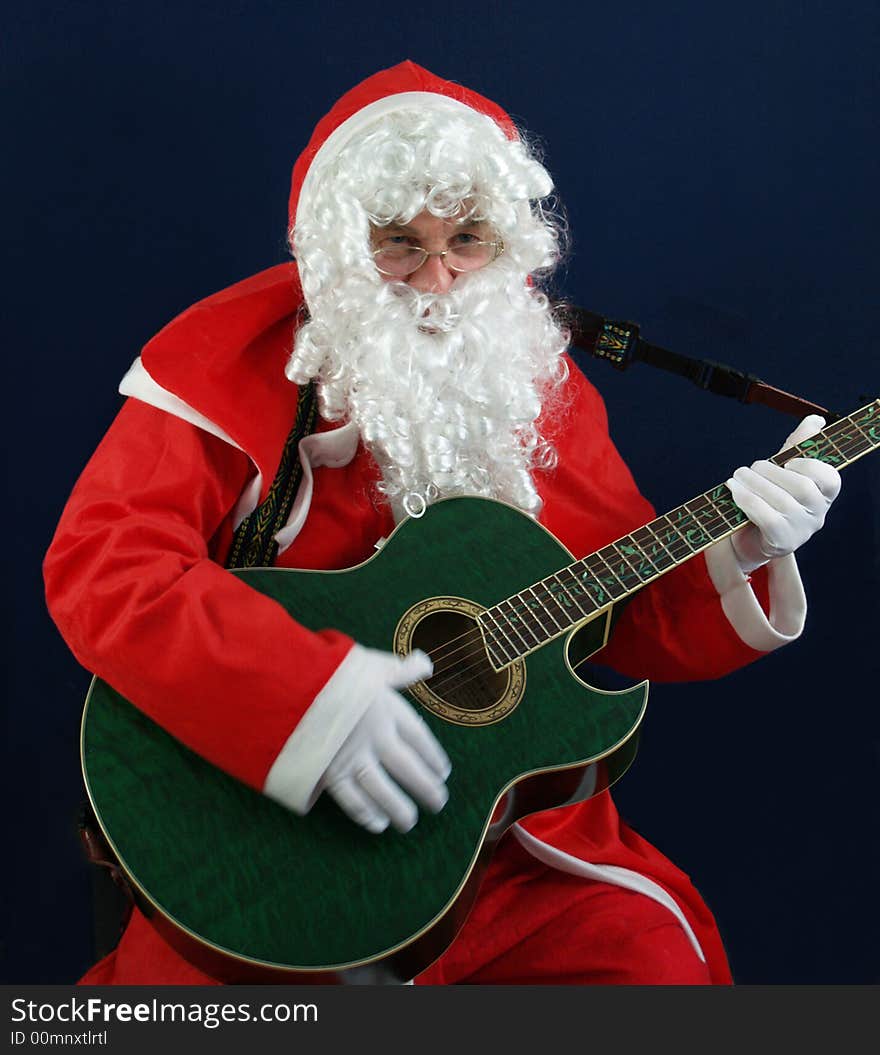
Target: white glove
<point>786,506</point>
<point>389,752</point>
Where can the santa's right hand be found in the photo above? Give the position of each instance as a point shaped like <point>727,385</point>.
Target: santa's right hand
<point>391,760</point>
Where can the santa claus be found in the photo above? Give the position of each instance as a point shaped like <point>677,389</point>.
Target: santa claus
<point>422,233</point>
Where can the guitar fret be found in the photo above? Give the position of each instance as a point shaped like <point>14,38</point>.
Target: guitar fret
<point>831,442</point>
<point>822,448</point>
<point>503,661</point>
<point>554,590</point>
<point>625,559</point>
<point>538,613</point>
<point>539,604</point>
<point>673,539</point>
<point>563,596</point>
<point>512,618</point>
<point>710,519</point>
<point>603,573</point>
<point>839,431</point>
<point>694,533</point>
<point>722,500</point>
<point>851,444</point>
<point>869,435</point>
<point>530,614</point>
<point>841,443</point>
<point>508,655</point>
<point>870,416</point>
<point>527,617</point>
<point>863,443</point>
<point>641,564</point>
<point>500,648</point>
<point>659,555</point>
<point>607,585</point>
<point>588,588</point>
<point>620,568</point>
<point>551,590</point>
<point>577,588</point>
<point>493,656</point>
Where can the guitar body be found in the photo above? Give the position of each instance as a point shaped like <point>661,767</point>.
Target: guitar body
<point>249,891</point>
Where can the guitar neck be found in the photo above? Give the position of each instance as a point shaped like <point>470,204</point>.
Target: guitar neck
<point>536,615</point>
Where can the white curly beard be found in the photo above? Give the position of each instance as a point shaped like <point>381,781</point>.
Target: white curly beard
<point>445,389</point>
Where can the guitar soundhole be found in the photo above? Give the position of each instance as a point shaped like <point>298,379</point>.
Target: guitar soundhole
<point>464,687</point>
<point>463,676</point>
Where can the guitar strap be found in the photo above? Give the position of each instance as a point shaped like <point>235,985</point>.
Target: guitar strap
<point>254,545</point>
<point>620,344</point>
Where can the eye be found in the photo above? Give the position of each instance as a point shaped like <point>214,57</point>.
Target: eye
<point>464,238</point>
<point>393,241</point>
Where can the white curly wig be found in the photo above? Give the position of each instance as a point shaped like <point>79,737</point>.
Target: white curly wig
<point>446,389</point>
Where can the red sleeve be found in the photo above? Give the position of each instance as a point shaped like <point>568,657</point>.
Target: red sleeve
<point>132,588</point>
<point>672,630</point>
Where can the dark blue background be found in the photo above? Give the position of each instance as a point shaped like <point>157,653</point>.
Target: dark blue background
<point>719,164</point>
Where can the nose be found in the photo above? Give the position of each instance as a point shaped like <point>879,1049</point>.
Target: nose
<point>432,277</point>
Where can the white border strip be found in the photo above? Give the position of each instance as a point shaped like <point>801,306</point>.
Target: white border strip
<point>613,874</point>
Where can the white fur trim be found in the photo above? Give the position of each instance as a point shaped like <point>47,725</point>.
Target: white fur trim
<point>339,137</point>
<point>613,874</point>
<point>140,385</point>
<point>788,603</point>
<point>297,770</point>
<point>334,449</point>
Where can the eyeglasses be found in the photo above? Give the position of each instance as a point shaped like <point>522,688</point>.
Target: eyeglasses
<point>399,259</point>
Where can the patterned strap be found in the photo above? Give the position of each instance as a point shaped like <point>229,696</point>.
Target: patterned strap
<point>254,545</point>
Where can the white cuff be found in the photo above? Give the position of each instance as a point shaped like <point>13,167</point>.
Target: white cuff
<point>788,603</point>
<point>296,773</point>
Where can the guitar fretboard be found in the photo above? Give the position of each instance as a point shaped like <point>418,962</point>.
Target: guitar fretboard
<point>524,622</point>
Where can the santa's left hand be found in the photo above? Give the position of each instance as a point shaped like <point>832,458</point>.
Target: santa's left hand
<point>786,506</point>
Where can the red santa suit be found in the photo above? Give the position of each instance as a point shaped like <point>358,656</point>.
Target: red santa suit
<point>135,582</point>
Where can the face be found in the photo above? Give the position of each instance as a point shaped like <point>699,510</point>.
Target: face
<point>435,234</point>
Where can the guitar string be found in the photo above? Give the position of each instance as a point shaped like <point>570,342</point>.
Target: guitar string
<point>559,589</point>
<point>555,591</point>
<point>472,637</point>
<point>456,670</point>
<point>474,663</point>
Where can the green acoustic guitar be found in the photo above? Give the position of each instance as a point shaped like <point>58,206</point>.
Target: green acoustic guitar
<point>251,892</point>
